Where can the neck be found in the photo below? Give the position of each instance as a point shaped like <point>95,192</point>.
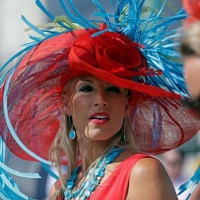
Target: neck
<point>90,151</point>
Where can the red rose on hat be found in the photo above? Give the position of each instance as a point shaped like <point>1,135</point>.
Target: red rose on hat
<point>111,52</point>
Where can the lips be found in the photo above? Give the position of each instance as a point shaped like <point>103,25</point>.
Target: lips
<point>100,115</point>
<point>100,118</point>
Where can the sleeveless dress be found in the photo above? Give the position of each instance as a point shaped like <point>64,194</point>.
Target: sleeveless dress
<point>116,185</point>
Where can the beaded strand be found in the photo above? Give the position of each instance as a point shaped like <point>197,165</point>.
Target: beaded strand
<point>92,179</point>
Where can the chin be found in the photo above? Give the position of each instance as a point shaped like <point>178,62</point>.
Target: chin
<point>99,136</point>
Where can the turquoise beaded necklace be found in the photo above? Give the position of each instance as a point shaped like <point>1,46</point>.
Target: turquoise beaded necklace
<point>92,179</point>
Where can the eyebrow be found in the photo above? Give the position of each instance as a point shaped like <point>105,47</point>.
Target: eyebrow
<point>86,80</point>
<point>90,81</point>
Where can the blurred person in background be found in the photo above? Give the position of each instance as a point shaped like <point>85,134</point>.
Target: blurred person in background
<point>173,161</point>
<point>190,49</point>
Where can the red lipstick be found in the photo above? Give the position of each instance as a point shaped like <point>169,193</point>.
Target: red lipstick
<point>100,118</point>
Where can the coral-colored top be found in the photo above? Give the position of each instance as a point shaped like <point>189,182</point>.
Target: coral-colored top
<point>116,185</point>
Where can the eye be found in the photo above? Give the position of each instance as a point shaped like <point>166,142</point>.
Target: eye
<point>114,89</point>
<point>86,88</point>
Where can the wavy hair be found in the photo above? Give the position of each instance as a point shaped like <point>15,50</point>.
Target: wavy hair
<point>63,145</point>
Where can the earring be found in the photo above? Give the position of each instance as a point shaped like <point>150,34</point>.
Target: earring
<point>124,131</point>
<point>72,132</point>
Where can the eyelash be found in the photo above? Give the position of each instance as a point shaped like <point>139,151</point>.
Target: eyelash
<point>112,89</point>
<point>86,89</point>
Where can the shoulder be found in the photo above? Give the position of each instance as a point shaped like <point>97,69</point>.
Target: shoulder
<point>146,165</point>
<point>150,176</point>
<point>54,188</point>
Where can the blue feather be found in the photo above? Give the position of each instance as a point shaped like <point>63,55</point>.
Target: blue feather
<point>37,30</point>
<point>8,187</point>
<point>41,6</point>
<point>192,182</point>
<point>10,127</point>
<point>49,171</point>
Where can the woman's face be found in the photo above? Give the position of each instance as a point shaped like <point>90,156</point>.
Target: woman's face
<point>192,73</point>
<point>97,108</point>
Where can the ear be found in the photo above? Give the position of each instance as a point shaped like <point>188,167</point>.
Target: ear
<point>66,105</point>
<point>127,110</point>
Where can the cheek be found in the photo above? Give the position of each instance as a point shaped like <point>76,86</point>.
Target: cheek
<point>123,105</point>
<point>80,108</point>
<point>78,103</point>
<point>121,108</point>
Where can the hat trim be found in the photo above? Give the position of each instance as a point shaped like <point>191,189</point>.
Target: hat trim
<point>9,125</point>
<point>75,63</point>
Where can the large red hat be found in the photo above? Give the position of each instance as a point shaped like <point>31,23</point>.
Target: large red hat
<point>30,95</point>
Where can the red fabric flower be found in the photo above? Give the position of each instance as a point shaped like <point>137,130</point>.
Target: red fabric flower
<point>111,52</point>
<point>192,7</point>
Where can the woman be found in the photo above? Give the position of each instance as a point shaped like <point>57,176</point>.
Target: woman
<point>99,111</point>
<point>101,98</point>
<point>190,46</point>
<point>190,49</point>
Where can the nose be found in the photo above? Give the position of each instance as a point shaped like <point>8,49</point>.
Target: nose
<point>100,99</point>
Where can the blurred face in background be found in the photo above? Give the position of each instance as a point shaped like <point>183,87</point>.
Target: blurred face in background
<point>192,74</point>
<point>173,162</point>
<point>190,49</point>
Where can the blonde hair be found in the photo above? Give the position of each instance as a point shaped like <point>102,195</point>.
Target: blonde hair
<point>190,43</point>
<point>63,145</point>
